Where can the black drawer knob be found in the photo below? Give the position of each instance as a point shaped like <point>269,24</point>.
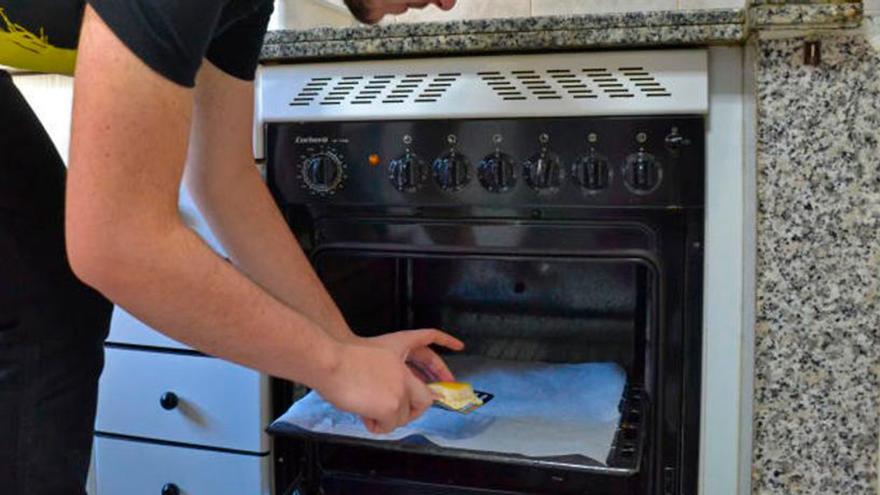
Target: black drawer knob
<point>168,401</point>
<point>170,489</point>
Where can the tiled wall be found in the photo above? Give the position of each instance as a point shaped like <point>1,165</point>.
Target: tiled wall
<point>872,7</point>
<point>552,7</point>
<point>302,14</point>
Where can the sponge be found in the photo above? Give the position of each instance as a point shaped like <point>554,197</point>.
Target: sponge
<point>457,396</point>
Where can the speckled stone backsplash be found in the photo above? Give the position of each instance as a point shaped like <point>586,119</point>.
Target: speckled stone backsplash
<point>817,350</point>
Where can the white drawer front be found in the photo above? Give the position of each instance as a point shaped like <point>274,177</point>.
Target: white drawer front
<point>193,219</point>
<point>136,468</point>
<point>126,329</point>
<point>219,404</point>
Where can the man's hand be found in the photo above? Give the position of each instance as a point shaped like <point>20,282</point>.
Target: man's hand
<point>375,383</point>
<point>372,11</point>
<point>412,347</point>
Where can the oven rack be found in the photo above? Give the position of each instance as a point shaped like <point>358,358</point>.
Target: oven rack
<point>629,440</point>
<point>624,459</point>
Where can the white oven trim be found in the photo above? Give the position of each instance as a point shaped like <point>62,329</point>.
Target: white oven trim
<point>729,290</point>
<point>631,82</point>
<point>635,82</point>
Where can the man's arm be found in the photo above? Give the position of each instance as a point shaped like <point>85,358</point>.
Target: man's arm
<point>236,203</point>
<point>221,176</point>
<point>125,236</point>
<point>126,239</point>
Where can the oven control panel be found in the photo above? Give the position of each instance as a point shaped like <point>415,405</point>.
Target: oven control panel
<point>534,162</point>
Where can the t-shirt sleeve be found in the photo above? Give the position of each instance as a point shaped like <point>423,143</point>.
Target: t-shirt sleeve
<point>236,49</point>
<point>173,36</point>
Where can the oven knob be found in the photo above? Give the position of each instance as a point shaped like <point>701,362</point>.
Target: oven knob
<point>543,172</point>
<point>591,171</point>
<point>407,173</point>
<point>323,172</point>
<point>642,172</point>
<point>497,172</point>
<point>451,171</point>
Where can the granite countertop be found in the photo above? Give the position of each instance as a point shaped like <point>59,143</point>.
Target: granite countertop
<point>723,26</point>
<point>566,32</point>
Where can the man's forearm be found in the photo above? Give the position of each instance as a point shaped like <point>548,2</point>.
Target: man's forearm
<point>243,216</point>
<point>237,205</point>
<point>176,284</point>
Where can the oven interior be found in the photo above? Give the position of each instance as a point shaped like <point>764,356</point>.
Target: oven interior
<point>560,310</point>
<point>557,309</point>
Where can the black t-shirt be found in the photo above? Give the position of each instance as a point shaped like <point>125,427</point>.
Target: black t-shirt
<point>170,36</point>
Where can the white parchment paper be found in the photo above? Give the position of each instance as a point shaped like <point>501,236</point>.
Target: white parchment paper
<point>539,410</point>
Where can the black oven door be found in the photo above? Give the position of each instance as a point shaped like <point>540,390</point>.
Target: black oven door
<point>566,292</point>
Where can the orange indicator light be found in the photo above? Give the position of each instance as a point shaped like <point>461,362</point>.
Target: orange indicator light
<point>374,160</point>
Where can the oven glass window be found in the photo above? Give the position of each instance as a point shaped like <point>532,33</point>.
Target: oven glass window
<point>513,308</point>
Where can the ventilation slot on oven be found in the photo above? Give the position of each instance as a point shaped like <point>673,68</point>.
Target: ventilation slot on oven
<point>502,85</point>
<point>586,83</point>
<point>378,88</point>
<point>645,82</point>
<point>522,85</point>
<point>437,87</point>
<point>572,84</point>
<point>608,83</point>
<point>311,91</point>
<point>554,84</point>
<point>537,85</point>
<point>340,90</point>
<point>372,89</point>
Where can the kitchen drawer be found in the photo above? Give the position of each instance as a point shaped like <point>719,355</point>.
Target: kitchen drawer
<point>193,219</point>
<point>126,329</point>
<point>139,468</point>
<point>219,404</point>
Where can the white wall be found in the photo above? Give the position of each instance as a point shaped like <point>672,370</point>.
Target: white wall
<point>302,14</point>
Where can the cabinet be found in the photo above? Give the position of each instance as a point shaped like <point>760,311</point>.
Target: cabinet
<point>148,469</point>
<point>171,417</point>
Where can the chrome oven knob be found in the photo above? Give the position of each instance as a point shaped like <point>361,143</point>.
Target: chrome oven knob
<point>642,173</point>
<point>452,171</point>
<point>591,171</point>
<point>323,172</point>
<point>497,172</point>
<point>407,173</point>
<point>544,172</point>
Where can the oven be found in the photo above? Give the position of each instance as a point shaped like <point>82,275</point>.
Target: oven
<point>545,209</point>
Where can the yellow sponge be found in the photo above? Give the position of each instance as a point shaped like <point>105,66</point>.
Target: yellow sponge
<point>457,396</point>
